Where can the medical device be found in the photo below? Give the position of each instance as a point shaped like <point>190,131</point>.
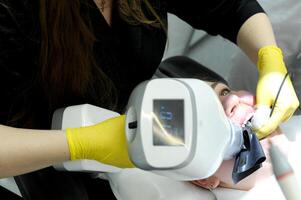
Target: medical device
<point>284,174</point>
<point>178,128</point>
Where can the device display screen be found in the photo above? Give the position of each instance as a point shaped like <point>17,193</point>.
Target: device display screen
<point>168,122</point>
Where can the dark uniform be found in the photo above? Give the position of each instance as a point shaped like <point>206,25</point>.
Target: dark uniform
<point>127,54</point>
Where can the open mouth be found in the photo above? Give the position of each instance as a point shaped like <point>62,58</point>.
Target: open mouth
<point>241,113</point>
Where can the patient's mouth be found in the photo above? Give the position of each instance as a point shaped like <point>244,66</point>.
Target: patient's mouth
<point>239,107</point>
<point>241,113</point>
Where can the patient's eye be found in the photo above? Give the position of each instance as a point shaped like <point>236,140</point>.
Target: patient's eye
<point>224,92</point>
<point>221,89</point>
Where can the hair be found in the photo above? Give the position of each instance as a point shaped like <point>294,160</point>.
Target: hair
<point>185,67</point>
<point>132,12</point>
<point>67,67</point>
<point>66,59</point>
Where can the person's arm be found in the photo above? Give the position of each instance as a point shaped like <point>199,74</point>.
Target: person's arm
<point>216,17</point>
<point>257,40</point>
<point>242,22</point>
<point>254,34</point>
<point>246,24</point>
<point>26,150</point>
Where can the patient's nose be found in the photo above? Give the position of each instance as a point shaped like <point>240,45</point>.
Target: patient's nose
<point>229,104</point>
<point>238,106</point>
<point>246,97</point>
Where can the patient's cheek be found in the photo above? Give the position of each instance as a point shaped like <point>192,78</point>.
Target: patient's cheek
<point>246,97</point>
<point>239,106</point>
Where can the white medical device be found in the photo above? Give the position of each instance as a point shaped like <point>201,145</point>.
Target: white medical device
<point>174,127</point>
<point>178,128</point>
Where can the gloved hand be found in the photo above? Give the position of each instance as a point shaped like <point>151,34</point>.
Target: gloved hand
<point>272,71</point>
<point>104,142</point>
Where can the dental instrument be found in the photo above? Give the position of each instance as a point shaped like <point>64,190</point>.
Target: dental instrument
<point>284,174</point>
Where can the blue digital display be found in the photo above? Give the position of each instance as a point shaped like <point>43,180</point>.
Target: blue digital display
<point>165,115</point>
<point>168,122</point>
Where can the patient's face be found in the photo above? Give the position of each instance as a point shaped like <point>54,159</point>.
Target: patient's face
<point>238,105</point>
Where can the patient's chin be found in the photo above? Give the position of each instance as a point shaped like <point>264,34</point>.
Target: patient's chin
<point>208,183</point>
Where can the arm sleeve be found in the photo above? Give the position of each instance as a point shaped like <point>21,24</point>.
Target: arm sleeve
<point>223,17</point>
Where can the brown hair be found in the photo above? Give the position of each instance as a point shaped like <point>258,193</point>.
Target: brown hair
<point>67,67</point>
<point>131,11</point>
<point>66,59</point>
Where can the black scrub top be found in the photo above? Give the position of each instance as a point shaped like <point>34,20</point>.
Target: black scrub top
<point>127,54</point>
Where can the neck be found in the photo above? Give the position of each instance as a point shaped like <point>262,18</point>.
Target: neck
<point>105,7</point>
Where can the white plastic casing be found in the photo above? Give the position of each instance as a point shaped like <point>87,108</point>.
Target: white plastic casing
<point>207,130</point>
<point>163,156</point>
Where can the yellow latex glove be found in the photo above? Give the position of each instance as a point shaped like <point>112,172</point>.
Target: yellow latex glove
<point>272,71</point>
<point>104,142</point>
